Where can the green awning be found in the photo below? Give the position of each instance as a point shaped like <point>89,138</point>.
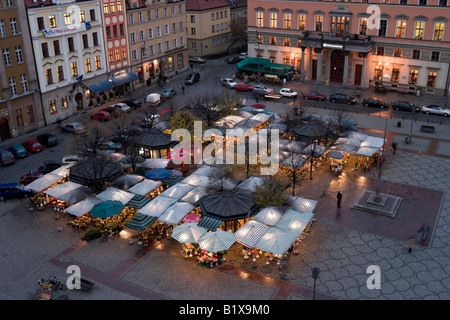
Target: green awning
<point>210,223</point>
<point>141,222</point>
<point>277,69</point>
<point>251,64</point>
<point>172,180</point>
<point>138,201</point>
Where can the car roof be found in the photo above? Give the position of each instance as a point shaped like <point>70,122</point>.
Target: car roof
<point>9,185</point>
<point>17,146</point>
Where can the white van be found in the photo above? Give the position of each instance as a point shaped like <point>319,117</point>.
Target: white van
<point>153,99</point>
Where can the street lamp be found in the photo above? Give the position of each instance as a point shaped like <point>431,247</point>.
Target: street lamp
<point>257,54</point>
<point>315,274</point>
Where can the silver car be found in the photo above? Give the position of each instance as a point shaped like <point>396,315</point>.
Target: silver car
<point>73,127</point>
<point>435,109</point>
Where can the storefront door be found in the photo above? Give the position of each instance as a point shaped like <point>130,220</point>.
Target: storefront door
<point>337,66</point>
<point>358,72</point>
<point>314,70</point>
<point>4,129</point>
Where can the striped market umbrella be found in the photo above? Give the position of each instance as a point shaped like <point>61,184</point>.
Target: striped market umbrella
<point>216,241</point>
<point>192,218</point>
<point>251,232</point>
<point>188,233</point>
<point>276,241</point>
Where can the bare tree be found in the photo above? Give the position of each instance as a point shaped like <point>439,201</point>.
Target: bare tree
<point>270,193</point>
<point>92,142</point>
<point>293,164</point>
<point>238,30</point>
<point>123,128</point>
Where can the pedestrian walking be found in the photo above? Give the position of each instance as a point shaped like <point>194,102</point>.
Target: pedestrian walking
<point>394,146</point>
<point>339,199</point>
<point>182,89</point>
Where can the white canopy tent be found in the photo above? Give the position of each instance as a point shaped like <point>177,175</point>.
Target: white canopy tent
<point>195,194</point>
<point>84,206</point>
<point>270,215</point>
<point>61,189</point>
<point>63,171</point>
<point>250,233</point>
<point>175,213</point>
<point>144,187</point>
<point>177,191</point>
<point>206,170</point>
<point>43,182</point>
<point>114,194</point>
<point>251,183</point>
<point>155,163</point>
<point>302,204</point>
<point>157,206</point>
<point>276,241</point>
<point>196,180</point>
<point>294,221</point>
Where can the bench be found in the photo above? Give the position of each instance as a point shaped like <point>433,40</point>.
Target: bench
<point>425,128</point>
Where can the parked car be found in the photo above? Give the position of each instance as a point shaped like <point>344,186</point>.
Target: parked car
<point>29,177</point>
<point>153,99</point>
<point>133,104</point>
<point>262,89</point>
<point>114,111</point>
<point>228,82</point>
<point>192,78</point>
<point>196,60</point>
<point>342,98</point>
<point>101,116</point>
<point>6,157</point>
<point>116,146</point>
<point>168,93</point>
<point>18,151</point>
<point>70,159</point>
<point>313,95</point>
<point>73,127</point>
<point>404,106</point>
<point>375,103</point>
<point>12,191</point>
<point>242,86</point>
<point>232,60</point>
<point>47,139</point>
<point>286,92</point>
<point>123,107</point>
<point>243,55</point>
<point>33,145</point>
<point>435,109</point>
<point>49,166</point>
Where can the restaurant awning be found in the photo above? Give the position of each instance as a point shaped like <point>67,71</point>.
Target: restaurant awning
<point>157,206</point>
<point>102,86</point>
<point>210,223</point>
<point>140,222</point>
<point>43,182</point>
<point>175,213</point>
<point>116,194</point>
<point>84,206</point>
<point>124,78</point>
<point>250,233</point>
<point>144,187</point>
<point>61,189</point>
<point>177,191</point>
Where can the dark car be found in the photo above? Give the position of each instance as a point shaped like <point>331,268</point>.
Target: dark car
<point>375,103</point>
<point>342,98</point>
<point>13,190</point>
<point>232,60</point>
<point>112,110</point>
<point>133,104</point>
<point>101,116</point>
<point>313,95</point>
<point>193,78</point>
<point>47,139</point>
<point>18,151</point>
<point>6,157</point>
<point>404,106</point>
<point>49,166</point>
<point>29,177</point>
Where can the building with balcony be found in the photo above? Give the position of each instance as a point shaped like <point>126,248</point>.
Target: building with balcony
<point>157,38</point>
<point>20,101</point>
<point>69,52</point>
<point>407,48</point>
<point>208,27</point>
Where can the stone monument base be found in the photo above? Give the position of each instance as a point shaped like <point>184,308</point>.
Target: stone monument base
<point>387,205</point>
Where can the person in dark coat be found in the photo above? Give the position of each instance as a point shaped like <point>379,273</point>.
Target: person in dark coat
<point>339,199</point>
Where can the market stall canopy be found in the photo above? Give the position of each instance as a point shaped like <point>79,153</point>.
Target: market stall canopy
<point>76,195</point>
<point>229,121</point>
<point>115,156</point>
<point>157,206</point>
<point>336,155</point>
<point>175,213</point>
<point>216,241</point>
<point>294,146</point>
<point>277,126</point>
<point>138,201</point>
<point>62,188</point>
<point>370,146</point>
<point>195,195</point>
<point>197,180</point>
<point>302,204</point>
<point>158,174</point>
<point>310,130</point>
<point>95,170</point>
<point>276,241</point>
<point>223,184</point>
<point>106,209</point>
<point>210,223</point>
<point>206,171</point>
<point>144,187</point>
<point>192,218</point>
<point>84,206</point>
<point>154,139</point>
<point>140,222</point>
<point>294,221</point>
<point>177,191</point>
<point>172,180</point>
<point>295,160</point>
<point>114,194</point>
<point>156,163</point>
<point>261,117</point>
<point>250,233</point>
<point>63,171</point>
<point>188,233</point>
<point>314,150</point>
<point>127,181</point>
<point>43,182</point>
<point>270,215</point>
<point>251,183</point>
<point>345,145</point>
<point>228,205</point>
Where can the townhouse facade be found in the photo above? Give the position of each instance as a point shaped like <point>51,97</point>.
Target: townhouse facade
<point>208,27</point>
<point>20,103</point>
<point>69,51</point>
<point>157,38</point>
<point>402,44</point>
